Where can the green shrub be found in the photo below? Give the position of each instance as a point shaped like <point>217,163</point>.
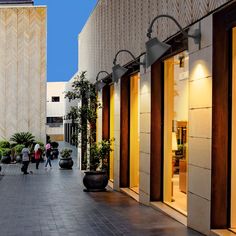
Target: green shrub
<point>4,144</point>
<point>66,152</point>
<point>5,151</point>
<point>25,138</point>
<point>18,148</point>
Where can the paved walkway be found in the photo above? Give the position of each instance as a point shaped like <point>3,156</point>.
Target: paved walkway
<point>52,202</point>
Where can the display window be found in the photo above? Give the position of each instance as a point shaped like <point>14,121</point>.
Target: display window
<point>134,132</point>
<point>176,88</point>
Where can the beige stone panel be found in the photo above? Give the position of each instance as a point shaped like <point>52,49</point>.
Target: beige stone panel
<point>35,73</point>
<point>145,123</point>
<point>43,78</point>
<point>200,93</point>
<point>144,198</point>
<point>145,83</point>
<point>200,124</point>
<point>206,34</point>
<point>200,64</point>
<point>23,70</point>
<point>11,72</point>
<point>145,142</point>
<point>144,182</point>
<point>117,138</point>
<point>116,167</point>
<point>199,213</point>
<point>199,181</point>
<point>200,152</point>
<point>3,99</point>
<point>145,103</point>
<point>144,163</point>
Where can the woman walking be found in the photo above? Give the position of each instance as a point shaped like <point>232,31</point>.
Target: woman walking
<point>48,155</point>
<point>37,155</point>
<point>25,160</point>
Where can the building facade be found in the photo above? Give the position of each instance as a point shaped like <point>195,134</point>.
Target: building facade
<point>55,110</point>
<point>23,70</point>
<point>173,122</point>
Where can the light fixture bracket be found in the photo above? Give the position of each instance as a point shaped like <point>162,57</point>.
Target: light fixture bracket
<point>196,36</point>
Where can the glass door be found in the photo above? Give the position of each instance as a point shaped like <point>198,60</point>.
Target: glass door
<point>134,132</point>
<point>175,131</point>
<point>112,114</point>
<point>233,146</point>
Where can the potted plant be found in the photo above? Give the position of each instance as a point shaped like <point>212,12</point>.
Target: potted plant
<point>94,156</point>
<point>96,178</point>
<point>18,149</point>
<point>66,161</point>
<point>55,151</point>
<point>5,153</point>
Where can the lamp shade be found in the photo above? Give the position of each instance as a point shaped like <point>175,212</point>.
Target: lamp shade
<point>99,85</point>
<point>117,72</point>
<point>154,50</point>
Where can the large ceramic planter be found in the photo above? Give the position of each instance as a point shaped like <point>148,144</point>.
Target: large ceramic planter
<point>6,159</point>
<point>18,158</point>
<point>66,163</point>
<point>95,181</point>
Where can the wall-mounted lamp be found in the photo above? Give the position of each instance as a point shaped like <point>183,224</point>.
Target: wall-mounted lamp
<point>155,48</point>
<point>99,83</point>
<point>117,70</point>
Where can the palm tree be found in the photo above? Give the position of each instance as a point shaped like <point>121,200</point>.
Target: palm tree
<point>25,138</point>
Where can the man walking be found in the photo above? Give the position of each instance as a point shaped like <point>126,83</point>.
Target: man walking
<point>25,160</point>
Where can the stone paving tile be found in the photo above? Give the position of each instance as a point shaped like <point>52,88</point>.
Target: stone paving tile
<point>52,203</point>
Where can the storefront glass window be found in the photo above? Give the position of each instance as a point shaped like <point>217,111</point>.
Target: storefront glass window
<point>176,85</point>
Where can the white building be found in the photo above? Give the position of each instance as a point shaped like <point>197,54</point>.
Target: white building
<point>55,110</point>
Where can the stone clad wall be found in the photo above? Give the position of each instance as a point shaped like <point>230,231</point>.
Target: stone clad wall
<point>119,24</point>
<point>23,71</point>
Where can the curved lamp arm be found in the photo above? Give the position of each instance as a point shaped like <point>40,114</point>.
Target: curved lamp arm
<point>196,36</point>
<point>102,71</point>
<point>124,50</point>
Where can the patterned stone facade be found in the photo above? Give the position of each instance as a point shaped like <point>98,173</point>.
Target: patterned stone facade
<point>123,24</point>
<point>23,71</point>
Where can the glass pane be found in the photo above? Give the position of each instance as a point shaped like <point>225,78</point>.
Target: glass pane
<point>176,131</point>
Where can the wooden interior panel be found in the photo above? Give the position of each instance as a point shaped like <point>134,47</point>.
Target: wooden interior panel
<point>156,132</point>
<point>223,22</point>
<point>124,131</point>
<point>106,112</point>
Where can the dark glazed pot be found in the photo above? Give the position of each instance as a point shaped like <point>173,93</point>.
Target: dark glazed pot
<point>66,163</point>
<point>6,159</point>
<point>95,181</point>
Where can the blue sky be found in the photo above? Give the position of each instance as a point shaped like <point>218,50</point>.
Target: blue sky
<point>65,20</point>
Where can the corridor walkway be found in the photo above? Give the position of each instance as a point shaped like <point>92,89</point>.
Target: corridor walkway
<point>52,202</point>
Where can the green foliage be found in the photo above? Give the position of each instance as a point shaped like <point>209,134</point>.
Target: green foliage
<point>85,117</point>
<point>5,151</point>
<point>4,144</point>
<point>99,153</point>
<point>18,148</point>
<point>66,153</point>
<point>25,138</point>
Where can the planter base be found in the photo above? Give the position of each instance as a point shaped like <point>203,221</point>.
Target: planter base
<point>95,190</point>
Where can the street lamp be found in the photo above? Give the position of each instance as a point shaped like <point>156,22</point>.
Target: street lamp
<point>155,48</point>
<point>99,83</point>
<point>117,70</point>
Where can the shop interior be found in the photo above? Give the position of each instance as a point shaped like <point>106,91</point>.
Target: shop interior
<point>176,131</point>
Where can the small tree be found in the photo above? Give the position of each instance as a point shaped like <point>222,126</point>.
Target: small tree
<point>85,117</point>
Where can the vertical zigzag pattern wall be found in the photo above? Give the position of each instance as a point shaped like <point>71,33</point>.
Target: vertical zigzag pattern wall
<point>119,24</point>
<point>23,71</point>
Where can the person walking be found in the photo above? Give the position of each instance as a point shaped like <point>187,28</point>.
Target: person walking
<point>48,155</point>
<point>37,155</point>
<point>25,160</point>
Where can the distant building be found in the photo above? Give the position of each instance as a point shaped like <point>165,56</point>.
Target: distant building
<point>55,110</point>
